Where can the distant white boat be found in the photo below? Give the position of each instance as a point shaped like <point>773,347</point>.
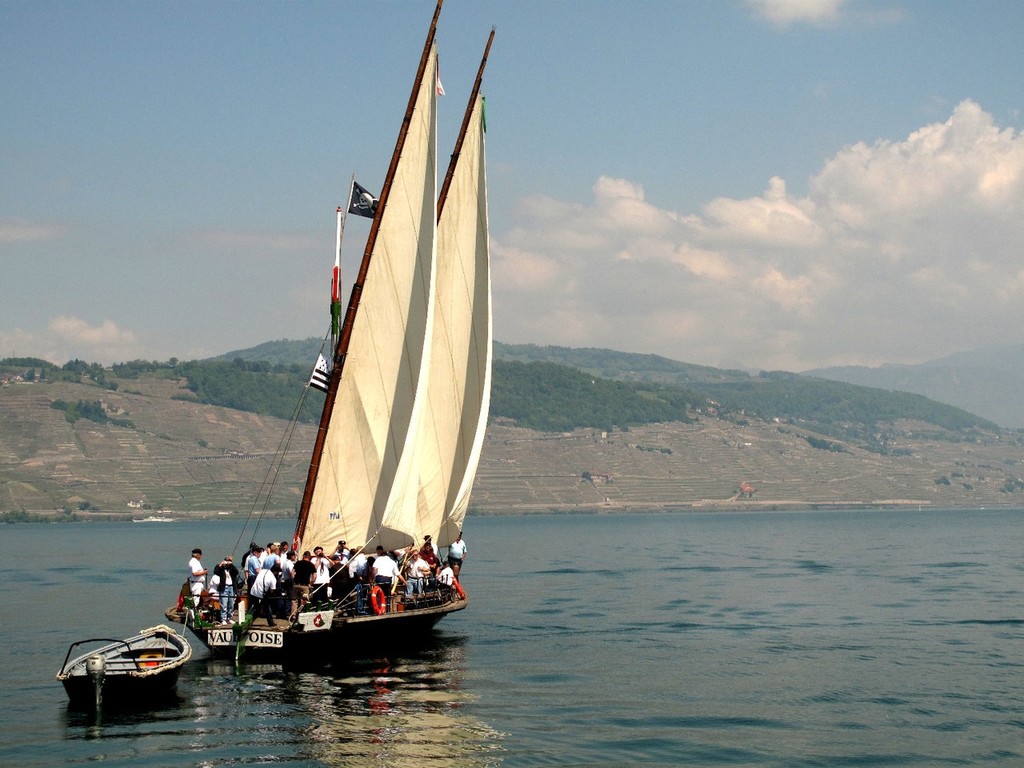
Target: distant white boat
<point>153,519</point>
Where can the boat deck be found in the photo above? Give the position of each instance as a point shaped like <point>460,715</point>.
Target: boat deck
<point>425,604</point>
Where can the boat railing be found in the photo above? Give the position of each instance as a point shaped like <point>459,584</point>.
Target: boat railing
<point>132,657</point>
<point>105,640</point>
<point>357,601</point>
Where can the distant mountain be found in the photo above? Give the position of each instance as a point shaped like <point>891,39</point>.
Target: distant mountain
<point>855,413</point>
<point>619,366</point>
<point>543,398</point>
<point>988,381</point>
<point>605,363</point>
<point>282,352</point>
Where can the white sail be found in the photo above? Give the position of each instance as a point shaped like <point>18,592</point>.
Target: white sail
<point>442,462</point>
<point>460,382</point>
<point>378,397</point>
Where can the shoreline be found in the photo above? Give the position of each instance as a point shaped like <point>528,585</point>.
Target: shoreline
<point>728,506</point>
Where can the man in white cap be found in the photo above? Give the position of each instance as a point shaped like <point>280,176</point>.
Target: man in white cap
<point>196,575</point>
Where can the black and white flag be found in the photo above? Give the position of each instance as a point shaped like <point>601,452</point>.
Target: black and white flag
<point>362,202</point>
<point>321,374</point>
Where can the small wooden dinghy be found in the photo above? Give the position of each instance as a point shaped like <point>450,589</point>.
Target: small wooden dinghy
<point>142,668</point>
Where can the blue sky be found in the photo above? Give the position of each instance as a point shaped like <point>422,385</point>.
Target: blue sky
<point>778,184</point>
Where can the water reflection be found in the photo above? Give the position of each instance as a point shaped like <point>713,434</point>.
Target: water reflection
<point>86,721</point>
<point>396,710</point>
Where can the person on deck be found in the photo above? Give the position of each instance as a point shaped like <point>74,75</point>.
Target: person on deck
<point>196,576</point>
<point>262,593</point>
<point>343,551</point>
<point>322,581</point>
<point>386,572</point>
<point>357,576</point>
<point>428,543</point>
<point>340,582</point>
<point>302,577</point>
<point>214,603</point>
<point>457,553</point>
<point>419,572</point>
<point>446,577</point>
<point>271,556</point>
<point>253,563</point>
<point>284,605</point>
<point>228,579</point>
<point>357,566</point>
<point>428,554</point>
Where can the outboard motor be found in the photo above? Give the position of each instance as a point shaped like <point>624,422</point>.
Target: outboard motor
<point>96,667</point>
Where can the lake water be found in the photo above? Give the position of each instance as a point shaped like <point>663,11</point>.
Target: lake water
<point>768,639</point>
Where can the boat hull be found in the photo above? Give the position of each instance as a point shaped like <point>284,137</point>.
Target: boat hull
<point>122,690</point>
<point>320,636</point>
<point>140,670</point>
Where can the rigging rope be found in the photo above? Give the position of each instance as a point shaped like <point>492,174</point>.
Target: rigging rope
<point>266,489</point>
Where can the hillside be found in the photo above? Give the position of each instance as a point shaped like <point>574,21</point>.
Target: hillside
<point>151,446</point>
<point>175,454</point>
<point>705,465</point>
<point>620,366</point>
<point>631,388</point>
<point>985,381</point>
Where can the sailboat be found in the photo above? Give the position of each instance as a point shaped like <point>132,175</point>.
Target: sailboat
<point>407,395</point>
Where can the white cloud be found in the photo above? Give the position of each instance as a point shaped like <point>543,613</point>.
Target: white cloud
<point>773,219</point>
<point>823,13</point>
<point>786,12</point>
<point>76,331</point>
<point>20,230</point>
<point>621,206</point>
<point>524,271</point>
<point>900,250</point>
<point>66,338</point>
<point>704,263</point>
<point>787,292</point>
<point>966,156</point>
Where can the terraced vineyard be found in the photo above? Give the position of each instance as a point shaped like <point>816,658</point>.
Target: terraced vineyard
<point>672,466</point>
<point>179,456</point>
<point>197,459</point>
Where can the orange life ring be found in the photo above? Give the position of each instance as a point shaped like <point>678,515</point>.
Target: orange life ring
<point>146,659</point>
<point>377,600</point>
<point>458,589</point>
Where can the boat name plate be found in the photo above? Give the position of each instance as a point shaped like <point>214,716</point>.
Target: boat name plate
<point>256,638</point>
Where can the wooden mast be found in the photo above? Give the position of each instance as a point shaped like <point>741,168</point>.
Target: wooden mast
<point>341,350</point>
<point>465,126</point>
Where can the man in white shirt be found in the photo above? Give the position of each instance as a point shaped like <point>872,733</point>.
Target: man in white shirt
<point>457,553</point>
<point>446,576</point>
<point>196,575</point>
<point>321,582</point>
<point>262,592</point>
<point>419,570</point>
<point>357,566</point>
<point>385,571</point>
